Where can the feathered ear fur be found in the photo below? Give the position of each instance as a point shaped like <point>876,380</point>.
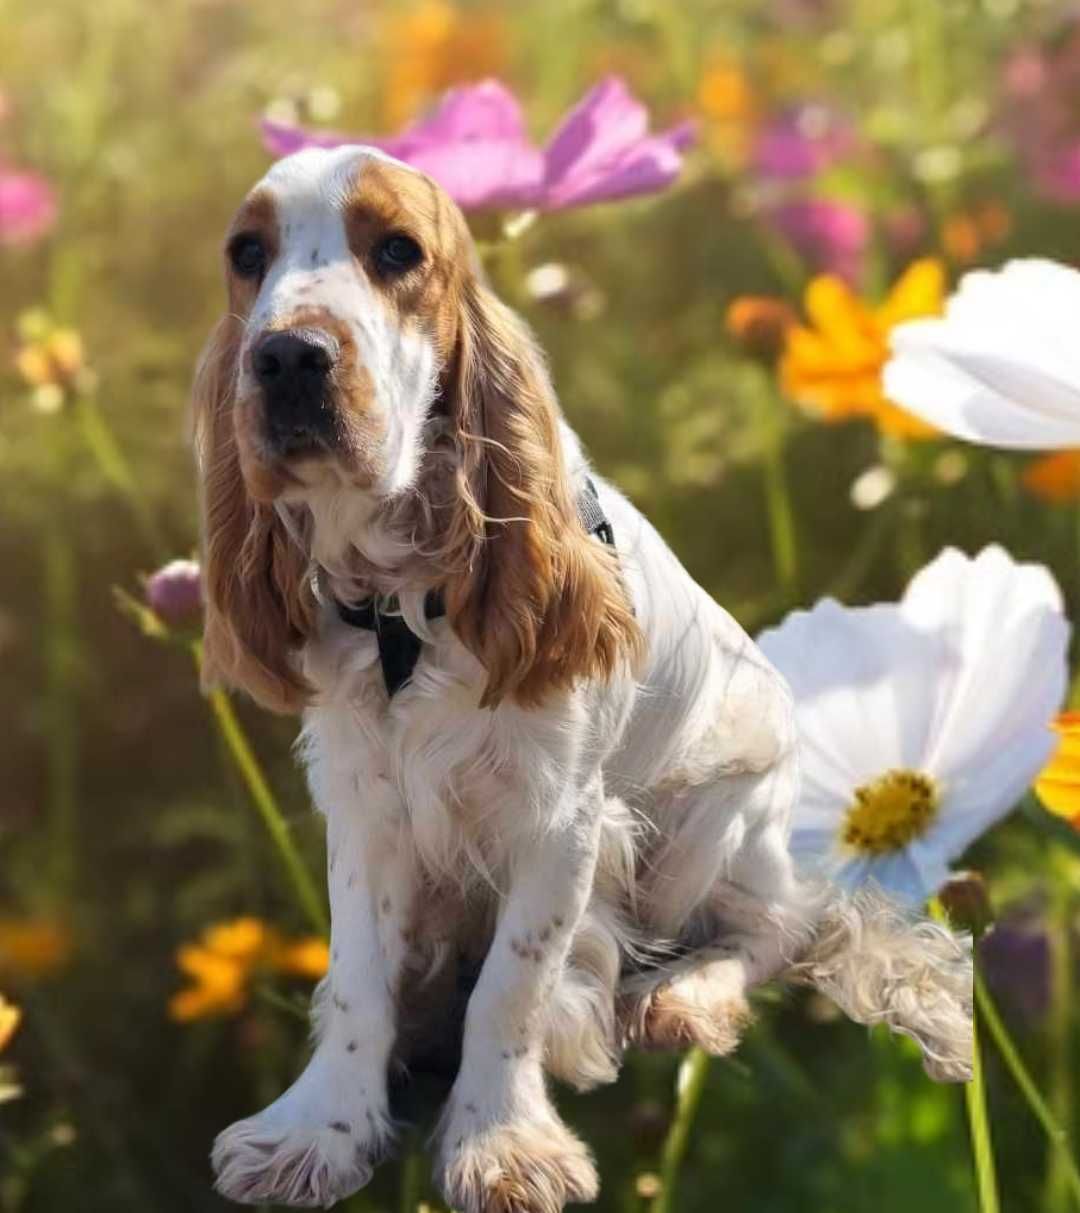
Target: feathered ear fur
<point>259,602</point>
<point>539,602</point>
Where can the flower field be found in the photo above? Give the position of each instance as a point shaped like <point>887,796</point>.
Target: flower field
<point>748,235</point>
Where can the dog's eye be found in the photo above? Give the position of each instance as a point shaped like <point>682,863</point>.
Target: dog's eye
<point>248,255</point>
<point>396,254</point>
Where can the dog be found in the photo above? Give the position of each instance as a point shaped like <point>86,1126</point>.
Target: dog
<point>544,754</point>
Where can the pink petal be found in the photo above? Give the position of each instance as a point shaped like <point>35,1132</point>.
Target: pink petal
<point>482,173</point>
<point>603,124</point>
<point>487,110</point>
<point>27,207</point>
<point>651,165</point>
<point>282,139</point>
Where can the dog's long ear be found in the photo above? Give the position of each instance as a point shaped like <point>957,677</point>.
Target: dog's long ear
<point>540,603</point>
<point>259,602</point>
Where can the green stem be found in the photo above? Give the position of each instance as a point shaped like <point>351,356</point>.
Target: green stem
<point>1060,1069</point>
<point>263,799</point>
<point>116,470</point>
<point>781,518</point>
<point>781,515</point>
<point>411,1177</point>
<point>61,643</point>
<point>1056,1135</point>
<point>981,1144</point>
<point>693,1074</point>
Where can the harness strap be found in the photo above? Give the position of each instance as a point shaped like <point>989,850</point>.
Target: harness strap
<point>399,646</point>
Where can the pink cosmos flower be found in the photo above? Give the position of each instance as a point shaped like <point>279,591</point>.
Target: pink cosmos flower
<point>175,591</point>
<point>27,206</point>
<point>801,142</point>
<point>831,236</point>
<point>475,145</point>
<point>1038,113</point>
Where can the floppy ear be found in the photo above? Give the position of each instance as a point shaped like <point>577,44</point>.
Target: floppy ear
<point>540,603</point>
<point>259,602</point>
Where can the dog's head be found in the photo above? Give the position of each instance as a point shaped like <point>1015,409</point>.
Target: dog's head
<point>362,363</point>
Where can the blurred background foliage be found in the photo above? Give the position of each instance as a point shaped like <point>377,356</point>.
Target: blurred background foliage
<point>125,828</point>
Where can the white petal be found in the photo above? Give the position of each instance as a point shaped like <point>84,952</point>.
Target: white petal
<point>897,874</point>
<point>862,679</point>
<point>1002,640</point>
<point>1003,365</point>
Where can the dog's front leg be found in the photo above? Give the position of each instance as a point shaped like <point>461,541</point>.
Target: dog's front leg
<point>501,1144</point>
<point>320,1140</point>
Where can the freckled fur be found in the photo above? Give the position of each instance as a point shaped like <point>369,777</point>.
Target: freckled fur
<point>585,789</point>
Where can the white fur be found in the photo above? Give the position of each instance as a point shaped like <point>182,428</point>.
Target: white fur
<point>568,847</point>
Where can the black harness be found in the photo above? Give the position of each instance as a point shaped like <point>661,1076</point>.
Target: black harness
<point>399,646</point>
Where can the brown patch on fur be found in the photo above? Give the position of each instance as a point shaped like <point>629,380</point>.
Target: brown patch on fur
<point>534,1167</point>
<point>352,392</point>
<point>259,604</point>
<point>387,200</point>
<point>699,1001</point>
<point>539,602</point>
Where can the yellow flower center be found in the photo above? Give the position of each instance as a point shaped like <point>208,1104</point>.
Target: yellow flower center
<point>889,812</point>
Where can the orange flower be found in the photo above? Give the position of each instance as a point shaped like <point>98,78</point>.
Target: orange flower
<point>50,360</point>
<point>226,959</point>
<point>965,234</point>
<point>730,107</point>
<point>1054,478</point>
<point>832,366</point>
<point>760,323</point>
<point>308,957</point>
<point>433,46</point>
<point>10,1015</point>
<point>33,948</point>
<point>1058,787</point>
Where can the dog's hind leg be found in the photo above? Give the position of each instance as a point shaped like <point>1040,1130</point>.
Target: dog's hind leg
<point>743,928</point>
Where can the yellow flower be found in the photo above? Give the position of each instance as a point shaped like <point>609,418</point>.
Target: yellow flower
<point>727,100</point>
<point>1054,478</point>
<point>219,984</point>
<point>832,366</point>
<point>32,948</point>
<point>1058,787</point>
<point>50,360</point>
<point>10,1015</point>
<point>242,940</point>
<point>308,957</point>
<point>434,45</point>
<point>227,957</point>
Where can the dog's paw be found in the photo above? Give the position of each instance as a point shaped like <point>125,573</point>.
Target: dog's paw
<point>701,1002</point>
<point>519,1167</point>
<point>266,1160</point>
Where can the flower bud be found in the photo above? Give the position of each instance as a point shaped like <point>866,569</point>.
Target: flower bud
<point>175,591</point>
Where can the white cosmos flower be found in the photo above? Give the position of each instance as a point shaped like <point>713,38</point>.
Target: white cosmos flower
<point>921,722</point>
<point>1002,366</point>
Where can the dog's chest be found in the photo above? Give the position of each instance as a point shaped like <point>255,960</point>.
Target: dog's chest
<point>459,778</point>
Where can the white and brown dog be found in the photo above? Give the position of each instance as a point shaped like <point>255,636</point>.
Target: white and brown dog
<point>540,748</point>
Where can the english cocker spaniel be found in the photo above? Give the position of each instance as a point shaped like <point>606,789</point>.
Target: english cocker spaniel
<point>544,755</point>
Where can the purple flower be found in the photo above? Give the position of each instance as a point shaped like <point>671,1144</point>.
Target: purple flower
<point>831,236</point>
<point>27,206</point>
<point>801,142</point>
<point>1038,113</point>
<point>1015,957</point>
<point>175,591</point>
<point>475,145</point>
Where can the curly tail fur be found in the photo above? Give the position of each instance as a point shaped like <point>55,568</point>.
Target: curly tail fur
<point>883,965</point>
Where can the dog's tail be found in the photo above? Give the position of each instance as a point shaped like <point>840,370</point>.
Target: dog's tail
<point>883,965</point>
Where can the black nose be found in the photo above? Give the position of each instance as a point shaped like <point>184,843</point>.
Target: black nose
<point>293,357</point>
<point>293,369</point>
